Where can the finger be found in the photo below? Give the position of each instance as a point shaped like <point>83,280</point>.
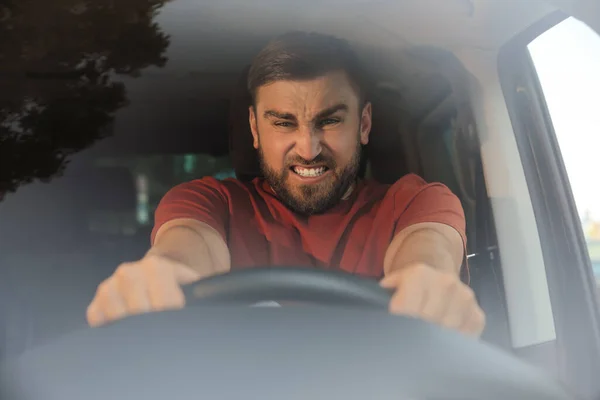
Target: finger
<point>437,303</point>
<point>408,299</point>
<point>460,305</point>
<point>393,280</point>
<point>443,289</point>
<point>185,275</point>
<point>475,322</point>
<point>94,316</point>
<point>132,286</point>
<point>110,302</point>
<point>163,288</point>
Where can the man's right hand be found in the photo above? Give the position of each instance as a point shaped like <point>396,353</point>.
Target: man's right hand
<point>151,284</point>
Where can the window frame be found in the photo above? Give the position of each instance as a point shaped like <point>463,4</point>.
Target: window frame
<point>573,292</point>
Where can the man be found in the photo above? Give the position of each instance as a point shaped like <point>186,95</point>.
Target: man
<point>309,118</point>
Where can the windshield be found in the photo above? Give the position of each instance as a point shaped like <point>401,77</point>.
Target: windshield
<point>87,152</point>
<point>106,106</point>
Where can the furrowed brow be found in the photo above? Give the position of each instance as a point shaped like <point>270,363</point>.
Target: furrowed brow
<point>330,110</point>
<point>279,115</point>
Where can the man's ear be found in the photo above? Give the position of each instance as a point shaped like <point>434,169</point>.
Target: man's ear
<point>253,126</point>
<point>366,120</point>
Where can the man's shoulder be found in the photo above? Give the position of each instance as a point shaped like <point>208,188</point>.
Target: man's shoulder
<point>413,184</point>
<point>409,183</point>
<point>404,191</point>
<point>412,191</point>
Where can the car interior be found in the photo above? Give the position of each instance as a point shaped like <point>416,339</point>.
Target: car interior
<point>99,202</point>
<point>438,111</point>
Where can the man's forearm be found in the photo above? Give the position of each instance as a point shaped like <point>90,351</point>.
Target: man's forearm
<point>422,269</point>
<point>437,247</point>
<point>199,249</point>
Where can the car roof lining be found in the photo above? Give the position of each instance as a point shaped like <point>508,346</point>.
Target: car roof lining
<point>403,45</point>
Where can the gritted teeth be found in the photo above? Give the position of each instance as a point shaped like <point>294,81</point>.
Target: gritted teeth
<point>309,171</point>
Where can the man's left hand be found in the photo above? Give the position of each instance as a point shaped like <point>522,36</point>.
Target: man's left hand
<point>436,296</point>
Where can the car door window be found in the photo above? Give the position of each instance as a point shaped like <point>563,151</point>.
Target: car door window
<point>567,62</point>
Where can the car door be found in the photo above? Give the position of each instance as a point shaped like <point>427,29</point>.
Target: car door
<point>551,79</point>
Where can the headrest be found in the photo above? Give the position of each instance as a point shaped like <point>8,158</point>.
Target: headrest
<point>243,155</point>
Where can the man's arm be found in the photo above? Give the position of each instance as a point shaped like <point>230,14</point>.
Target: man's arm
<point>192,243</point>
<point>422,266</point>
<point>434,244</point>
<point>422,263</point>
<point>187,244</point>
<point>190,227</point>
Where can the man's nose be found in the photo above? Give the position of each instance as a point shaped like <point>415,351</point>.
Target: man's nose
<point>308,145</point>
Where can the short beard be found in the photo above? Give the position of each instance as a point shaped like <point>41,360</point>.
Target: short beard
<point>315,199</point>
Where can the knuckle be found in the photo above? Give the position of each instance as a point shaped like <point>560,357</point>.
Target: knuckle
<point>421,269</point>
<point>176,301</point>
<point>449,281</point>
<point>125,270</point>
<point>104,288</point>
<point>469,294</point>
<point>449,285</point>
<point>480,316</point>
<point>151,266</point>
<point>152,261</point>
<point>179,299</point>
<point>90,312</point>
<point>177,296</point>
<point>477,322</point>
<point>397,304</point>
<point>93,315</point>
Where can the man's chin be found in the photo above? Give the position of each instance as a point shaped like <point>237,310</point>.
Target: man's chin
<point>317,202</point>
<point>308,196</point>
<point>306,208</point>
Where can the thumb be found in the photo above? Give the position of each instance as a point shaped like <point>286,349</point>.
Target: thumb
<point>185,274</point>
<point>392,280</point>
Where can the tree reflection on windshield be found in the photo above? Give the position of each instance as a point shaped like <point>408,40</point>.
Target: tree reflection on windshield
<point>58,64</point>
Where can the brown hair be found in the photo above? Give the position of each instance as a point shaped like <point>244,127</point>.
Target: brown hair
<point>303,56</point>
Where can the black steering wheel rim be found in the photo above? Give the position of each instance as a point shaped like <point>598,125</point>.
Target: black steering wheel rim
<point>220,351</point>
<point>294,284</point>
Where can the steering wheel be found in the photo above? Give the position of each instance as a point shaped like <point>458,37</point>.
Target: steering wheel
<point>224,351</point>
<point>305,285</point>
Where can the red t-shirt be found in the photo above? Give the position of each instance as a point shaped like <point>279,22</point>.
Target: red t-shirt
<point>353,236</point>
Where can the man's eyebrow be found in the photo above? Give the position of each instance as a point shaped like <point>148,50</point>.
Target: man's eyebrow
<point>330,110</point>
<point>322,114</point>
<point>279,115</point>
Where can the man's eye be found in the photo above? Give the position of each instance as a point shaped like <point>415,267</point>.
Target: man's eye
<point>329,121</point>
<point>284,124</point>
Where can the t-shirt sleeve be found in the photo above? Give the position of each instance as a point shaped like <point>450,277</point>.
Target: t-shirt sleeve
<point>416,201</point>
<point>203,200</point>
